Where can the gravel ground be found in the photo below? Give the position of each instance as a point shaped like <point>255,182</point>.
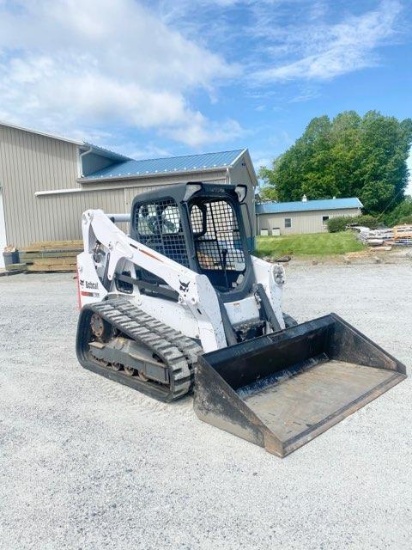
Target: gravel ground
<point>86,463</point>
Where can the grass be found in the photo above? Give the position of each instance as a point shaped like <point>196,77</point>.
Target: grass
<point>316,244</point>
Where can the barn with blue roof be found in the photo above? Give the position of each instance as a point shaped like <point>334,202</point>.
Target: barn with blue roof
<point>305,216</point>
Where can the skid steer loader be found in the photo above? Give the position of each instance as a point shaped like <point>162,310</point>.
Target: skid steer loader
<point>181,302</point>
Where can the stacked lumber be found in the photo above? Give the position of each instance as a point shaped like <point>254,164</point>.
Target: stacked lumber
<point>402,235</point>
<point>50,256</point>
<point>375,237</point>
<point>385,238</point>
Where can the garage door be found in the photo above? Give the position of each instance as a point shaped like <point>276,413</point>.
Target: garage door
<point>3,241</point>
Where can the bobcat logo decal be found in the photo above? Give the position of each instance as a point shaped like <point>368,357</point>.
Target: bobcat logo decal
<point>184,287</point>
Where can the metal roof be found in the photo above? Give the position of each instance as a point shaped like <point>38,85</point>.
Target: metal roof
<point>307,206</point>
<point>101,151</point>
<point>44,134</point>
<point>152,167</point>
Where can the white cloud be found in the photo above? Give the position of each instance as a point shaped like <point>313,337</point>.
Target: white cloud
<point>320,51</point>
<point>160,66</point>
<point>78,62</point>
<point>203,131</point>
<point>289,40</point>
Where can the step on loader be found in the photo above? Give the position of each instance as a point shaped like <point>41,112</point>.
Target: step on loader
<point>181,303</point>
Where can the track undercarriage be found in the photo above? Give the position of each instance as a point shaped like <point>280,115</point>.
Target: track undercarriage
<point>118,340</point>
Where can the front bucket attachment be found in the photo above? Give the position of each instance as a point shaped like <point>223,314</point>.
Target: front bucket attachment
<point>282,390</point>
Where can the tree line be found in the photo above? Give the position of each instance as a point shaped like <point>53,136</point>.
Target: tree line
<point>348,156</point>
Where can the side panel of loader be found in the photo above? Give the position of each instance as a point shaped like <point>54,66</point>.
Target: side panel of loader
<point>282,390</point>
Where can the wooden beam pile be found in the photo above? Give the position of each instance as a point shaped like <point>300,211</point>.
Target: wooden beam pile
<point>48,256</point>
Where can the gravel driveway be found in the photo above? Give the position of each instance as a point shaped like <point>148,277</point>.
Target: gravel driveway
<point>86,463</point>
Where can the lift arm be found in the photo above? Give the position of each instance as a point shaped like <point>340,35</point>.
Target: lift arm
<point>195,290</point>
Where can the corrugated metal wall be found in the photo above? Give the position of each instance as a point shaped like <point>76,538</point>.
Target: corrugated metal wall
<point>28,163</point>
<point>71,207</point>
<point>302,222</point>
<point>3,240</point>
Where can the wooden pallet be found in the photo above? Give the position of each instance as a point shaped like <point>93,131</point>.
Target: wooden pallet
<point>50,268</point>
<point>53,246</point>
<point>29,257</point>
<point>49,256</point>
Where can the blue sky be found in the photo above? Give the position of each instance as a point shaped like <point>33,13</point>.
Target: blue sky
<point>153,78</point>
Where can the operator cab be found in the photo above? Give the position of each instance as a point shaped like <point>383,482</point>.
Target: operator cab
<point>199,226</point>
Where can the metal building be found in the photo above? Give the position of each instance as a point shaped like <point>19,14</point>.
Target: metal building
<point>47,181</point>
<point>286,218</point>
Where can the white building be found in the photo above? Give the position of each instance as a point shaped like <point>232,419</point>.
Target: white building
<point>286,218</point>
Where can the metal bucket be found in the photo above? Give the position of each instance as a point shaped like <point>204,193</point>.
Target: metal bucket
<point>282,390</point>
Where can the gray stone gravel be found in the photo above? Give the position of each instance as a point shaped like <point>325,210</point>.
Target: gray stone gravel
<point>88,464</point>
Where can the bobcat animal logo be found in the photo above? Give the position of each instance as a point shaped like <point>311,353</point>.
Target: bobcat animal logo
<point>184,287</point>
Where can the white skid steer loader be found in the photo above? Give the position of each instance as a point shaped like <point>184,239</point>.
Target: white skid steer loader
<point>181,302</point>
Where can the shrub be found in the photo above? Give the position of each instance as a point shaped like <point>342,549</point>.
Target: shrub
<point>405,219</point>
<point>401,212</point>
<point>366,221</point>
<point>335,225</point>
<point>340,223</point>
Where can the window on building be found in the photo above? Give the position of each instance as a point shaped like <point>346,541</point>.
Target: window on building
<point>325,219</point>
<point>288,223</point>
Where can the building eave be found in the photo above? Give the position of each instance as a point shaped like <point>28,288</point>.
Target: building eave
<point>43,134</point>
<point>156,175</point>
<point>101,151</point>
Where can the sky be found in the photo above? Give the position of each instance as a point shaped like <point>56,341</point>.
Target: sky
<point>157,78</point>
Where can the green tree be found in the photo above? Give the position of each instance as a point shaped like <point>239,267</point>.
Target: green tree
<point>268,192</point>
<point>400,214</point>
<point>348,156</point>
<point>345,161</point>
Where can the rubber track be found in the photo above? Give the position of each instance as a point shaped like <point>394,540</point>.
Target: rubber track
<point>177,351</point>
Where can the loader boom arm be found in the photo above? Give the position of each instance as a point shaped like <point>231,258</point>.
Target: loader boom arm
<point>195,290</point>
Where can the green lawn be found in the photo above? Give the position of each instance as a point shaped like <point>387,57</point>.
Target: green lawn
<point>316,244</point>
